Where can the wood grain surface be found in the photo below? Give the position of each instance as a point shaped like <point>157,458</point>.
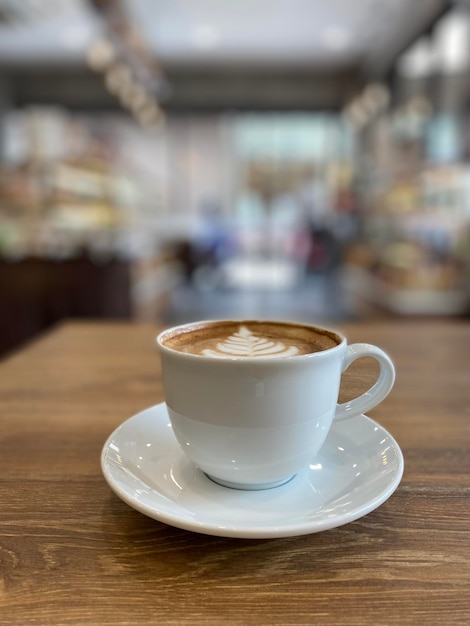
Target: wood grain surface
<point>71,552</point>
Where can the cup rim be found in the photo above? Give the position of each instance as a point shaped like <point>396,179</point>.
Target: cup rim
<point>246,359</point>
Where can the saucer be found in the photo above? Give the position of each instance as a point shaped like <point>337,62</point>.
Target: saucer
<point>359,467</point>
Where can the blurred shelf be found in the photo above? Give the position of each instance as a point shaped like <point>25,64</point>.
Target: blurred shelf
<point>360,283</point>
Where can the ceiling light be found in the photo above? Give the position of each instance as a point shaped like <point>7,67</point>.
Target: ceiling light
<point>376,97</point>
<point>139,98</point>
<point>118,78</point>
<point>419,61</point>
<point>336,38</point>
<point>356,114</point>
<point>205,37</point>
<point>100,55</point>
<point>452,43</point>
<point>151,116</point>
<point>75,37</point>
<point>125,94</point>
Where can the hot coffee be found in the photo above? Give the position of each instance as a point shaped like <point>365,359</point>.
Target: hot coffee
<point>229,339</point>
<point>252,402</point>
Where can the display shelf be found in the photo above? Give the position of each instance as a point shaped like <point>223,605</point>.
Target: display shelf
<point>361,284</point>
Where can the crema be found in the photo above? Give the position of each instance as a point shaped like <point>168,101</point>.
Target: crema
<point>249,339</point>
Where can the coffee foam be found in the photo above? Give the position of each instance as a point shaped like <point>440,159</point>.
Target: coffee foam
<point>250,339</point>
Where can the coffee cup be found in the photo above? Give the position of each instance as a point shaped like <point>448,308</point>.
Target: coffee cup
<point>251,402</point>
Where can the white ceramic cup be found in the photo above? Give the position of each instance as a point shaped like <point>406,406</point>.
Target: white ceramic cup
<point>255,422</point>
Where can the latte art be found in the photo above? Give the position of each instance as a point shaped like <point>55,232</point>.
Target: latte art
<point>245,343</point>
<point>237,339</point>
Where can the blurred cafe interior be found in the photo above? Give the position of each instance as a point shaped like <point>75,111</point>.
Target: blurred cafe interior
<point>170,160</point>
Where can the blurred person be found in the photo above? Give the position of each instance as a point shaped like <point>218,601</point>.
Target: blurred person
<point>346,224</point>
<point>211,245</point>
<point>290,238</point>
<point>316,202</point>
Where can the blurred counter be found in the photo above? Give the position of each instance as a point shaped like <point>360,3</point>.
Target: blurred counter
<point>37,293</point>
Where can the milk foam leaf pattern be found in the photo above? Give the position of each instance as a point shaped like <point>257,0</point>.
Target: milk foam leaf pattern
<point>247,344</point>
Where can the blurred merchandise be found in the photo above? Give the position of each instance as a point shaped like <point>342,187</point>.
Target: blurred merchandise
<point>74,210</point>
<point>192,163</point>
<point>414,254</point>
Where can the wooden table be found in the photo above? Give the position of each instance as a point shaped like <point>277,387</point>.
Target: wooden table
<point>71,552</point>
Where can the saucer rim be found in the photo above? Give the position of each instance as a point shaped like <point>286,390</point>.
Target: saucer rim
<point>246,532</point>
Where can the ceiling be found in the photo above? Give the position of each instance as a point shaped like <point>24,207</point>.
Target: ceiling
<point>215,53</point>
<point>299,33</point>
<point>211,33</point>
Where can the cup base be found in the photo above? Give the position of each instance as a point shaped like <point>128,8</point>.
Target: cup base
<point>249,486</point>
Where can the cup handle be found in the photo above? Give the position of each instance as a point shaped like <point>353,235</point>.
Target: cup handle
<point>379,390</point>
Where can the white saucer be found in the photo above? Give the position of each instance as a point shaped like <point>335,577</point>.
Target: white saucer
<point>358,468</point>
